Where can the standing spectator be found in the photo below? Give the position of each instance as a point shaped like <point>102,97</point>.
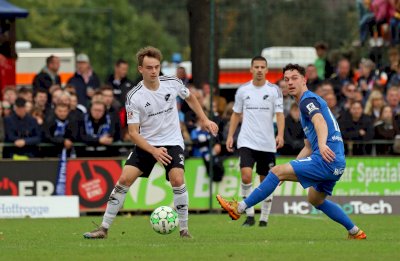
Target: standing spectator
<point>294,134</point>
<point>324,68</point>
<point>25,93</point>
<point>48,76</point>
<point>395,23</point>
<point>1,123</point>
<point>111,109</point>
<point>220,100</point>
<point>22,130</point>
<point>367,80</point>
<point>385,129</point>
<point>76,110</point>
<point>257,101</point>
<point>393,99</point>
<point>391,68</point>
<point>84,80</point>
<point>40,100</point>
<point>382,12</point>
<point>357,127</point>
<point>374,104</point>
<point>312,77</point>
<point>60,130</point>
<point>182,75</point>
<point>350,94</point>
<point>7,108</point>
<point>119,81</point>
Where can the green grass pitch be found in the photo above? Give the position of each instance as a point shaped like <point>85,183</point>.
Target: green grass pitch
<point>216,237</point>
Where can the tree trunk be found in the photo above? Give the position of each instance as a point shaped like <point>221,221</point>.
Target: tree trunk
<point>200,37</point>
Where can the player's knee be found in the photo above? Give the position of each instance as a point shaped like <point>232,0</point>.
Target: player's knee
<point>315,201</point>
<point>124,181</point>
<point>278,171</point>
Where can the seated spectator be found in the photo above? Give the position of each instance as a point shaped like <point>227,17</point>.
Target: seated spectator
<point>324,88</point>
<point>287,99</point>
<point>7,108</point>
<point>367,80</point>
<point>312,77</point>
<point>385,129</point>
<point>76,110</point>
<point>366,20</point>
<point>374,105</point>
<point>10,95</point>
<point>294,135</point>
<point>351,94</point>
<point>22,130</point>
<point>85,80</point>
<point>97,131</point>
<point>39,117</point>
<point>40,100</point>
<point>29,107</point>
<point>60,130</point>
<point>357,126</point>
<point>393,99</point>
<point>330,99</point>
<point>25,93</point>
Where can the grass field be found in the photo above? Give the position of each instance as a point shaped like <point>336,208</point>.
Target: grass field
<point>216,237</point>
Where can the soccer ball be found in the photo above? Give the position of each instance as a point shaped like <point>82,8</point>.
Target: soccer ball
<point>164,220</point>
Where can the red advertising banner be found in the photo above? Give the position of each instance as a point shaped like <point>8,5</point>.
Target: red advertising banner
<point>92,181</point>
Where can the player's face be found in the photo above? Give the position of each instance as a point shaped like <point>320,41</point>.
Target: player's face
<point>295,82</point>
<point>150,69</point>
<point>259,69</point>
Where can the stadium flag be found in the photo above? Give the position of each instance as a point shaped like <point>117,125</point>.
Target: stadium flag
<point>62,173</point>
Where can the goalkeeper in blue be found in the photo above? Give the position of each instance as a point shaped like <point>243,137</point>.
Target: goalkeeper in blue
<point>319,165</point>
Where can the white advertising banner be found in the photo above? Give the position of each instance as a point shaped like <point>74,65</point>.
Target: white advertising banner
<point>39,207</point>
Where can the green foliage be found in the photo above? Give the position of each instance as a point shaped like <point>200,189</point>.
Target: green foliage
<point>105,30</point>
<point>216,237</point>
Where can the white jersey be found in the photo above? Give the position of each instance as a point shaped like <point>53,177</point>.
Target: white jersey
<point>156,111</point>
<point>258,105</point>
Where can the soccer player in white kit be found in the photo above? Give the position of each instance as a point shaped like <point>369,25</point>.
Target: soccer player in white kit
<point>257,102</point>
<point>153,125</point>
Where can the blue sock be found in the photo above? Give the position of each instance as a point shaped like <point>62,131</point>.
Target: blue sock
<point>265,189</point>
<point>335,213</point>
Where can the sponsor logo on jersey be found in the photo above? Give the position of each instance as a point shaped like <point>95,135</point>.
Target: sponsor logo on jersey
<point>338,172</point>
<point>265,97</point>
<point>311,107</point>
<point>337,138</point>
<point>167,96</point>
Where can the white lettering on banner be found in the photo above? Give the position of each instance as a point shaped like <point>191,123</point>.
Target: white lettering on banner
<point>44,188</point>
<point>25,188</point>
<point>387,173</point>
<point>227,188</point>
<point>301,207</point>
<point>39,207</point>
<point>155,194</point>
<point>375,208</point>
<point>202,183</point>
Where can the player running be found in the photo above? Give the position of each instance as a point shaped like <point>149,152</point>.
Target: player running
<point>318,166</point>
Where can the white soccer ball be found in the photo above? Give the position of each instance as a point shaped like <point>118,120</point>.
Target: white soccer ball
<point>164,220</point>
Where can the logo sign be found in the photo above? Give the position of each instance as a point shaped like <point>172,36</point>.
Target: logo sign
<point>311,107</point>
<point>350,205</point>
<point>92,180</point>
<point>28,178</point>
<point>167,96</point>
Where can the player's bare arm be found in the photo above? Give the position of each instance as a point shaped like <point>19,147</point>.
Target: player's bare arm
<point>206,124</point>
<point>234,122</point>
<point>160,154</point>
<point>306,151</point>
<point>280,122</point>
<point>321,128</point>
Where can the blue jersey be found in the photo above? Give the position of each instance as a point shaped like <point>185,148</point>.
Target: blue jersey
<point>310,104</point>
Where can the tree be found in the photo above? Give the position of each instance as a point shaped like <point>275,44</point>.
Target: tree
<point>200,37</point>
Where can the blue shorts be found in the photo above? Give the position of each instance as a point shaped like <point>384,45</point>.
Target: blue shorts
<point>314,171</point>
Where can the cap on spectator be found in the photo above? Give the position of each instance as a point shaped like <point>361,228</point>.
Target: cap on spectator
<point>20,102</point>
<point>82,58</point>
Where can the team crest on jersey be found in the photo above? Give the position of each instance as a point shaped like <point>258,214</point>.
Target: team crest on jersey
<point>265,97</point>
<point>167,96</point>
<point>129,115</point>
<point>311,107</point>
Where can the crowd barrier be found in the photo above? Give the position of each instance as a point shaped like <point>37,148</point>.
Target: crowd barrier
<point>369,185</point>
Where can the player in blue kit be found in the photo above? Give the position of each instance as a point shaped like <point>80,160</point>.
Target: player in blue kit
<point>319,164</point>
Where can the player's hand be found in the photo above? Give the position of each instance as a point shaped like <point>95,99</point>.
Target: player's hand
<point>162,156</point>
<point>210,126</point>
<point>279,142</point>
<point>327,154</point>
<point>229,144</point>
<point>67,144</point>
<point>20,143</point>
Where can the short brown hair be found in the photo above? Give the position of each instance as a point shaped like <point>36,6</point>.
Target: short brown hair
<point>148,51</point>
<point>292,67</point>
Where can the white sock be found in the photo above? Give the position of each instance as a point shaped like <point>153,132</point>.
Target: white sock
<point>354,230</point>
<point>246,191</point>
<point>242,207</point>
<point>114,204</point>
<point>181,202</point>
<point>266,208</point>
